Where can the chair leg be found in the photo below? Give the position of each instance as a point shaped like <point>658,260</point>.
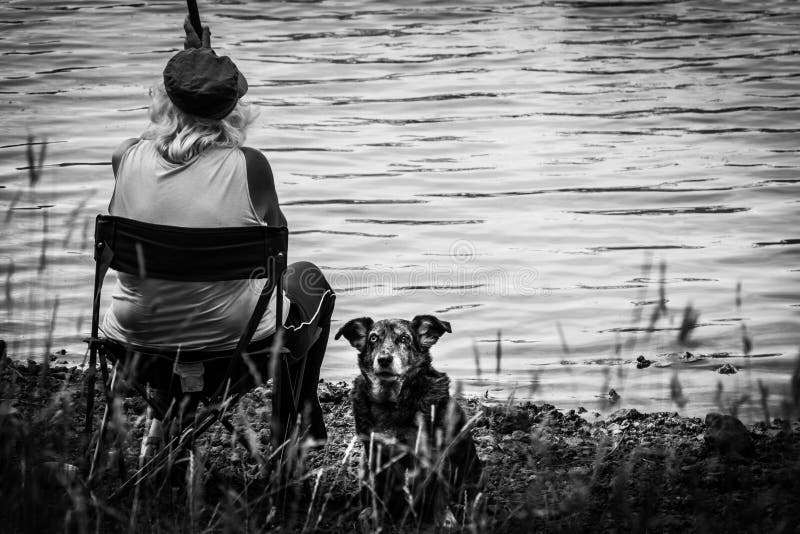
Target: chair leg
<point>103,369</point>
<point>90,378</point>
<point>309,384</point>
<point>122,471</point>
<point>107,413</point>
<point>277,423</point>
<point>297,394</point>
<point>284,411</point>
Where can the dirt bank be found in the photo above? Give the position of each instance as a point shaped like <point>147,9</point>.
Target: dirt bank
<point>546,470</point>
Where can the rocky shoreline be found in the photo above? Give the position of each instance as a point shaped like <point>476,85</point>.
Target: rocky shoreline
<point>546,469</point>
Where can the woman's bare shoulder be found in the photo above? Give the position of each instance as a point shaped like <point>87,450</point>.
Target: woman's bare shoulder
<point>123,147</point>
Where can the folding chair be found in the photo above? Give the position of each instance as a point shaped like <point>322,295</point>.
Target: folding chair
<point>190,255</point>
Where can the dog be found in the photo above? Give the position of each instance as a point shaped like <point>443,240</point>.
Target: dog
<point>419,457</point>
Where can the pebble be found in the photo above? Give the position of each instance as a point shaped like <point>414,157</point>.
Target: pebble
<point>727,369</point>
<point>727,435</point>
<point>579,471</point>
<point>519,435</point>
<point>486,440</point>
<point>775,433</point>
<point>624,414</point>
<point>330,392</point>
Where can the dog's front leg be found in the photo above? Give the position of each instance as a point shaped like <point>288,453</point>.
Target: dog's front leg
<point>367,521</point>
<point>445,519</point>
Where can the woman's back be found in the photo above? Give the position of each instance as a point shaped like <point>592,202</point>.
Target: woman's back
<point>210,190</point>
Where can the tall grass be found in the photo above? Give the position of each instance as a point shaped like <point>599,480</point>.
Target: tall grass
<point>603,478</point>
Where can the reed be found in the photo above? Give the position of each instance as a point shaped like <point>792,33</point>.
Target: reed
<point>498,353</point>
<point>676,391</point>
<point>477,359</point>
<point>9,293</point>
<point>688,324</point>
<point>43,250</point>
<point>563,338</point>
<point>35,163</point>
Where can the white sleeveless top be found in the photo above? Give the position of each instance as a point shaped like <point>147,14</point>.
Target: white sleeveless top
<point>209,191</point>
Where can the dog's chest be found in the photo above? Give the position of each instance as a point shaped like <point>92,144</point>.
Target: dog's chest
<point>394,421</point>
<point>403,416</point>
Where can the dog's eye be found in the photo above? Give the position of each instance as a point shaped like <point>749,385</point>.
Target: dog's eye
<point>373,338</point>
<point>404,339</point>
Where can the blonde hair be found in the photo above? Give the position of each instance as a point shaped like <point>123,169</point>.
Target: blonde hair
<point>179,136</point>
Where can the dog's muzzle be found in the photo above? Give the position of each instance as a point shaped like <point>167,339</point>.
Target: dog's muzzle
<point>383,368</point>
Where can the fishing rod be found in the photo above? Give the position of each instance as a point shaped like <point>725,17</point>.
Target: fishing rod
<point>194,18</point>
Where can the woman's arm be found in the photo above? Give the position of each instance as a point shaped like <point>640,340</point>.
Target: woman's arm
<point>120,151</point>
<point>261,184</point>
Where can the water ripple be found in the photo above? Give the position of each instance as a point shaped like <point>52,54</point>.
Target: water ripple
<point>664,211</point>
<point>339,232</point>
<point>583,190</point>
<point>439,287</point>
<point>349,201</point>
<point>69,69</point>
<point>31,144</point>
<point>644,247</point>
<point>627,41</point>
<point>69,164</point>
<point>433,222</point>
<point>782,242</point>
<point>347,176</point>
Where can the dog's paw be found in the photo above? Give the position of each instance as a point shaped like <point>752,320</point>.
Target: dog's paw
<point>367,521</point>
<point>447,521</point>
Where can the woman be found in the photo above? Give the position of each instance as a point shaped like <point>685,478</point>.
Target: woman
<point>190,169</point>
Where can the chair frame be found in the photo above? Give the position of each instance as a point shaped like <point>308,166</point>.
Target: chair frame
<point>190,254</point>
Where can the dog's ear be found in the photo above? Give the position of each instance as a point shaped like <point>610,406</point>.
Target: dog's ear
<point>429,329</point>
<point>356,330</point>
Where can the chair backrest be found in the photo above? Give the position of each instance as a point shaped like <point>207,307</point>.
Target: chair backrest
<point>191,254</point>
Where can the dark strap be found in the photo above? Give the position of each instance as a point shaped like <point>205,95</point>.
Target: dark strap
<point>256,180</point>
<point>103,256</point>
<point>273,285</point>
<point>255,318</point>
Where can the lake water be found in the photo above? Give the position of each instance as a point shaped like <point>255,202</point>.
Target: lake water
<point>518,169</point>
